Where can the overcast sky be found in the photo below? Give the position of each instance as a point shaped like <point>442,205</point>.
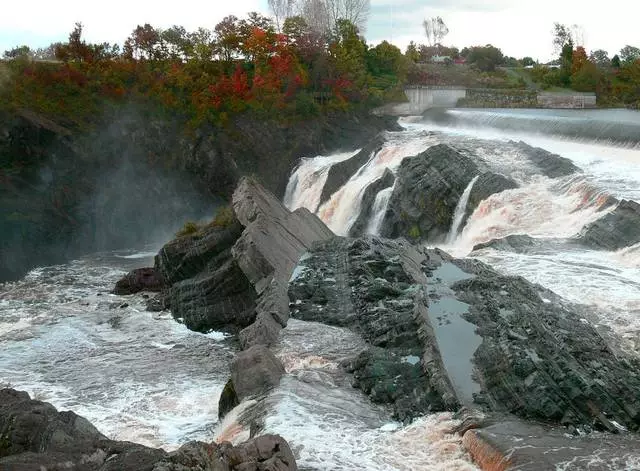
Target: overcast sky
<point>518,28</point>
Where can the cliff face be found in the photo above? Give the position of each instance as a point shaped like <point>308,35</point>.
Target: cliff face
<point>136,177</point>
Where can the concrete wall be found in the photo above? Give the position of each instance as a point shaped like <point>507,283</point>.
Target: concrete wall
<point>563,100</point>
<point>498,98</point>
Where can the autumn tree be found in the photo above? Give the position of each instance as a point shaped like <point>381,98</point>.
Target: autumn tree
<point>354,11</point>
<point>145,42</point>
<point>228,37</point>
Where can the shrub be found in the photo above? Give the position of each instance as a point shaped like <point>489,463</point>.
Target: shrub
<point>224,217</point>
<point>189,228</point>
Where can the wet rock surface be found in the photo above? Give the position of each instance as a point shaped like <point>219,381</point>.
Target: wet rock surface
<point>475,337</point>
<point>341,172</point>
<point>140,279</point>
<point>616,230</point>
<point>368,199</point>
<point>370,286</point>
<point>428,189</point>
<point>515,444</point>
<point>35,436</point>
<point>232,273</point>
<point>253,372</point>
<point>551,165</point>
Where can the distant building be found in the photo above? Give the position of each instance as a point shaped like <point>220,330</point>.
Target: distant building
<point>460,61</point>
<point>440,59</point>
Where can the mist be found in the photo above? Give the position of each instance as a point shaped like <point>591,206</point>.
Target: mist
<point>122,186</point>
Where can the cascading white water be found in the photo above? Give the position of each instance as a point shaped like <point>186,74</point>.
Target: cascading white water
<point>378,211</point>
<point>307,181</point>
<point>343,207</point>
<point>544,208</point>
<point>461,210</point>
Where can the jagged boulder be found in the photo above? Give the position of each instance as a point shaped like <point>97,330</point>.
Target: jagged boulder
<point>368,201</point>
<point>140,279</point>
<point>253,372</point>
<point>616,230</point>
<point>35,436</point>
<point>428,189</point>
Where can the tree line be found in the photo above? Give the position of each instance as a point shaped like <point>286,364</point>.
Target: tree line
<point>268,65</point>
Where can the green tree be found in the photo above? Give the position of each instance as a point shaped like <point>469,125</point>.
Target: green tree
<point>20,52</point>
<point>527,61</point>
<point>412,52</point>
<point>628,54</point>
<point>586,78</point>
<point>600,57</point>
<point>485,58</point>
<point>615,62</point>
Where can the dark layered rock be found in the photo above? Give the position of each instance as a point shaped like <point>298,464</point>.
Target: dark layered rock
<point>616,230</point>
<point>515,444</point>
<point>35,436</point>
<point>371,286</point>
<point>535,355</point>
<point>208,290</point>
<point>267,252</point>
<point>550,164</point>
<point>476,338</point>
<point>253,372</point>
<point>140,279</point>
<point>368,199</point>
<point>341,172</point>
<point>428,189</point>
<point>522,243</point>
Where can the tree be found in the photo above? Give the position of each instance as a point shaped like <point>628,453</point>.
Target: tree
<point>615,62</point>
<point>578,59</point>
<point>600,58</point>
<point>527,61</point>
<point>176,43</point>
<point>354,11</point>
<point>486,58</point>
<point>412,52</point>
<point>228,37</point>
<point>585,78</point>
<point>561,36</point>
<point>21,52</point>
<point>435,29</point>
<point>144,43</point>
<point>628,54</point>
<point>315,15</point>
<point>281,9</point>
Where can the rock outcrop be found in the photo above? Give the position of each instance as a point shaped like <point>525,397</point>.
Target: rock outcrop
<point>359,227</point>
<point>551,165</point>
<point>616,230</point>
<point>428,189</point>
<point>515,444</point>
<point>35,436</point>
<point>140,279</point>
<point>341,172</point>
<point>447,333</point>
<point>254,371</point>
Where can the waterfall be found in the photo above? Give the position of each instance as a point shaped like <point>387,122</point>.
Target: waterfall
<point>308,179</point>
<point>379,210</point>
<point>461,209</point>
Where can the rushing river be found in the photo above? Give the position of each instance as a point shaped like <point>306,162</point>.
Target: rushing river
<point>143,377</point>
